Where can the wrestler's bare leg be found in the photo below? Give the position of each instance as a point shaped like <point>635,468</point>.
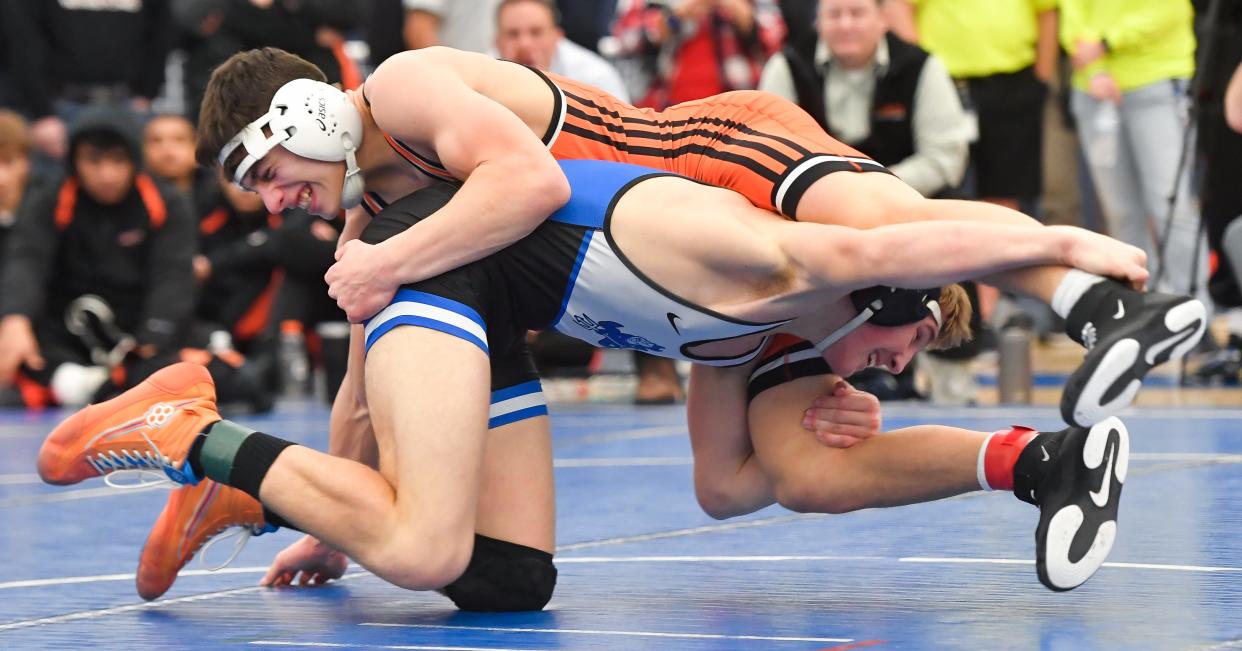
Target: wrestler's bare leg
<point>416,531</point>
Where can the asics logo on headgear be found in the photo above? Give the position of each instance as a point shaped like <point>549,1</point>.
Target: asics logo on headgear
<point>158,414</point>
<point>323,114</point>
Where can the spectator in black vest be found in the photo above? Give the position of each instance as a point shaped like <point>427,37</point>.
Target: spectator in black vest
<point>878,94</point>
<point>896,103</point>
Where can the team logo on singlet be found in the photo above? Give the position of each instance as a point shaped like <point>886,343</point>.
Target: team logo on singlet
<point>613,337</point>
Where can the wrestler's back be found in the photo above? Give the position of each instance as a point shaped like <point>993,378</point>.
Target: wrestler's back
<point>708,245</point>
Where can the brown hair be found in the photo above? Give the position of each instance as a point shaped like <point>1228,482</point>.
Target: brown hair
<point>955,313</point>
<point>547,4</point>
<point>240,90</point>
<point>14,133</point>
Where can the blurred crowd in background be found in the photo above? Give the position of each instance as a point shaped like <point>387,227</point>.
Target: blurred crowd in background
<point>119,254</point>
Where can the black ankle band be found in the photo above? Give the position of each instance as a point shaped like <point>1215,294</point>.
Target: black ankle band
<point>272,518</point>
<point>254,458</point>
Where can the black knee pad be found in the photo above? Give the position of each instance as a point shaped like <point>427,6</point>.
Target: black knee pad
<point>504,576</point>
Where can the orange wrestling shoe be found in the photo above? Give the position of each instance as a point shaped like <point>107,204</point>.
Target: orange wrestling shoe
<point>192,516</point>
<point>149,427</point>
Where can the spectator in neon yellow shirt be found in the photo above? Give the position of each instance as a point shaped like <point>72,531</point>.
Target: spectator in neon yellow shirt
<point>1132,60</point>
<point>1003,52</point>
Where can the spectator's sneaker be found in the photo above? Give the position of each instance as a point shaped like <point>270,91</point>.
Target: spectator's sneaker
<point>1075,477</point>
<point>1126,334</point>
<point>192,516</point>
<point>150,427</point>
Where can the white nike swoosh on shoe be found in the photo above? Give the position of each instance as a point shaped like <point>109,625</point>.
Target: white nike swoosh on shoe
<point>1160,346</point>
<point>1101,497</point>
<point>1045,451</point>
<point>1121,310</point>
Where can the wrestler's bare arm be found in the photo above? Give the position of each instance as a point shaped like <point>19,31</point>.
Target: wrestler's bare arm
<point>931,254</point>
<point>349,427</point>
<point>1233,101</point>
<point>727,478</point>
<point>512,183</point>
<point>876,199</point>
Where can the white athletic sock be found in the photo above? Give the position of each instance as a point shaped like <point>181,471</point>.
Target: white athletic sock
<point>1072,287</point>
<point>979,468</point>
<point>74,384</point>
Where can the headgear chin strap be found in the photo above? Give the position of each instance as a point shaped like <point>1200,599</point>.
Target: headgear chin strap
<point>889,307</point>
<point>312,120</point>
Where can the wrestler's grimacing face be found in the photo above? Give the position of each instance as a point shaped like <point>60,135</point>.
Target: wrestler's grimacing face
<point>285,180</point>
<point>869,345</point>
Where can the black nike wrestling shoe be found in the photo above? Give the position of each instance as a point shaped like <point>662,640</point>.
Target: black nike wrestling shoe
<point>1075,477</point>
<point>1126,334</point>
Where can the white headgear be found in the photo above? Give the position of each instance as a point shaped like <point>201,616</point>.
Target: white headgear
<point>310,119</point>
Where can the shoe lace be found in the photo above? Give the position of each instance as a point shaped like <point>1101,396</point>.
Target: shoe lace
<point>241,532</point>
<point>147,467</point>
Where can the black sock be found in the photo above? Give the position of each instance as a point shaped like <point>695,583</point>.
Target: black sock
<point>234,455</point>
<point>194,458</point>
<point>272,518</point>
<point>1031,467</point>
<point>254,458</point>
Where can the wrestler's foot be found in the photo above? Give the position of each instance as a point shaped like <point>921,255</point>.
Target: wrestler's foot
<point>1075,477</point>
<point>191,517</point>
<point>1126,333</point>
<point>150,427</point>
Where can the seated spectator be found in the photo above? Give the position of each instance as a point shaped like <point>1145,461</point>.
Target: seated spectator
<point>168,149</point>
<point>97,267</point>
<point>234,267</point>
<point>528,32</point>
<point>15,144</point>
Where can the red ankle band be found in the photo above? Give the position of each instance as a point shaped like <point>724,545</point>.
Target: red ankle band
<point>1002,452</point>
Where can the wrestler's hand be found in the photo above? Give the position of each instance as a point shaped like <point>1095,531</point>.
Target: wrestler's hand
<point>844,416</point>
<point>305,562</point>
<point>1103,255</point>
<point>359,281</point>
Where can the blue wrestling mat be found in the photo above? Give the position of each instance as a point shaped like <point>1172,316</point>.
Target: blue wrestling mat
<point>642,568</point>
